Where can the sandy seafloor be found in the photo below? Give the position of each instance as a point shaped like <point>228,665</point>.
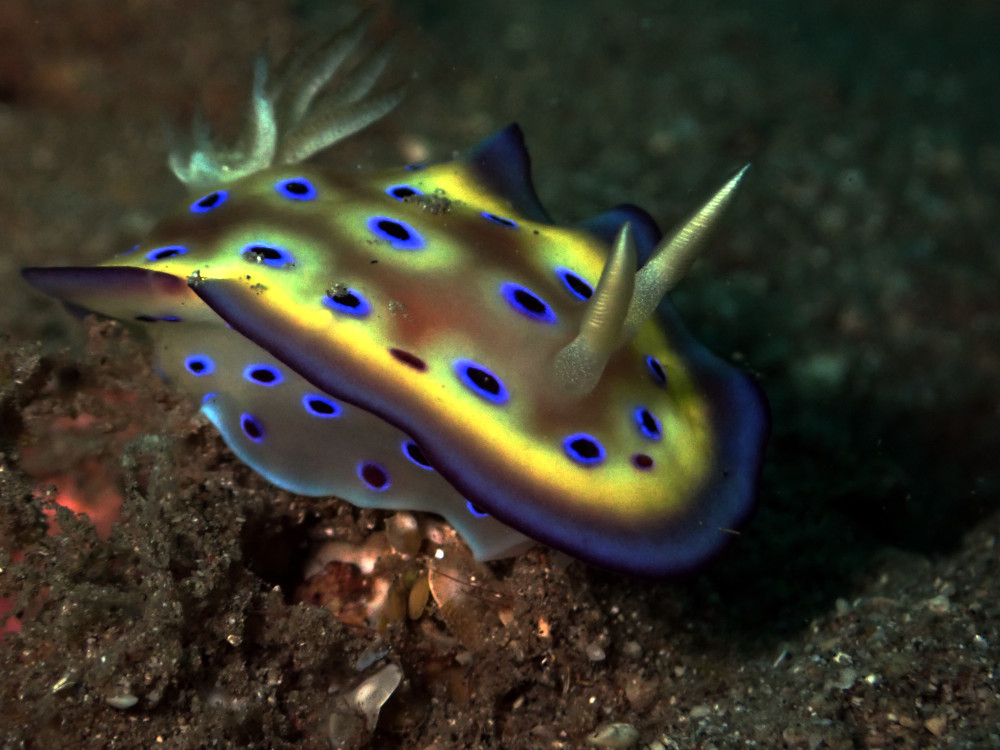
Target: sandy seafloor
<point>856,276</point>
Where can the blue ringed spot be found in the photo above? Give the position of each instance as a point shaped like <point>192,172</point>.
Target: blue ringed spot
<point>647,423</point>
<point>210,201</point>
<point>348,301</point>
<point>321,406</point>
<point>412,451</point>
<point>399,234</point>
<point>296,189</point>
<point>526,302</point>
<point>162,253</point>
<point>584,449</point>
<point>481,381</point>
<point>656,370</point>
<point>399,192</point>
<point>501,220</point>
<point>575,284</point>
<point>158,319</point>
<point>263,374</point>
<point>267,254</point>
<point>373,476</point>
<point>199,364</point>
<point>252,427</point>
<point>208,397</point>
<point>475,510</point>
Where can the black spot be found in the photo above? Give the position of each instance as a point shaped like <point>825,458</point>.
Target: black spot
<point>530,302</point>
<point>574,283</point>
<point>480,380</point>
<point>484,381</point>
<point>347,298</point>
<point>585,448</point>
<point>262,252</point>
<point>476,510</point>
<point>321,407</point>
<point>263,375</point>
<point>527,302</point>
<point>402,191</point>
<point>408,358</point>
<point>252,428</point>
<point>210,201</point>
<point>199,365</point>
<point>394,229</point>
<point>158,319</point>
<point>502,221</point>
<point>649,424</point>
<point>656,370</point>
<point>579,286</point>
<point>416,455</point>
<point>297,188</point>
<point>266,254</point>
<point>167,252</point>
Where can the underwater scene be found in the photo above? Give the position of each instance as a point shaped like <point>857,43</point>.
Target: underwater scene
<point>499,375</point>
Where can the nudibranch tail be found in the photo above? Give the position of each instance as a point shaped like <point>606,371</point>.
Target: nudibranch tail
<point>580,364</point>
<point>672,257</point>
<point>291,119</point>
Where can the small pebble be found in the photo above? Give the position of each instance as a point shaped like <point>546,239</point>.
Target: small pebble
<point>356,712</point>
<point>639,693</point>
<point>936,725</point>
<point>701,711</point>
<point>122,702</point>
<point>846,679</point>
<point>614,736</point>
<point>939,604</point>
<point>403,533</point>
<point>371,695</point>
<point>632,649</point>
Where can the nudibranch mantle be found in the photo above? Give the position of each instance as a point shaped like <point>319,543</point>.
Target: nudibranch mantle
<point>427,339</point>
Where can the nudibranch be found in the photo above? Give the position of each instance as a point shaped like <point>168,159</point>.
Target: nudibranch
<point>426,338</point>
